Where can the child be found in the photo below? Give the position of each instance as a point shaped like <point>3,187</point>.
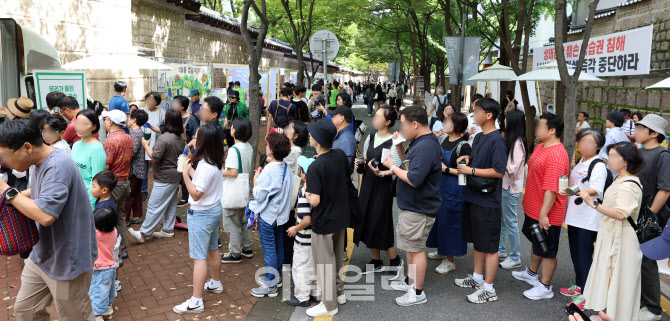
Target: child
<point>138,167</point>
<point>101,188</point>
<point>53,127</point>
<point>303,264</point>
<point>234,225</point>
<point>204,216</point>
<point>103,290</point>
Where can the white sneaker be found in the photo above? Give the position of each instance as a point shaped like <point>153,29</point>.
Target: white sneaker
<point>445,267</point>
<point>261,281</point>
<point>136,235</point>
<point>435,256</point>
<point>502,256</point>
<point>524,276</point>
<point>189,307</point>
<point>162,234</point>
<point>508,263</point>
<point>539,292</point>
<point>341,299</point>
<point>469,282</point>
<point>482,296</point>
<point>400,285</point>
<point>117,284</point>
<point>319,310</point>
<point>646,315</point>
<point>109,311</point>
<point>210,287</point>
<point>99,318</point>
<point>411,298</point>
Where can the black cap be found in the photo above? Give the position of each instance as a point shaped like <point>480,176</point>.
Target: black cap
<point>234,94</point>
<point>323,131</point>
<point>344,111</point>
<point>616,118</point>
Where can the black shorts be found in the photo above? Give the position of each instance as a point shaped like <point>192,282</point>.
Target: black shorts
<point>481,227</point>
<point>553,236</point>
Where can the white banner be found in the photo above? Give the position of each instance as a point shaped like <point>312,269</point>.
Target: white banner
<point>71,83</point>
<point>622,53</point>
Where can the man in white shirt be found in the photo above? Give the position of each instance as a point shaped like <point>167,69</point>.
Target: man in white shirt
<point>438,101</point>
<point>628,126</point>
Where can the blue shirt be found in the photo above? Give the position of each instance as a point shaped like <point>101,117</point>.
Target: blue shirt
<point>346,142</point>
<point>120,103</point>
<point>106,203</point>
<point>613,136</point>
<point>218,126</point>
<point>272,194</point>
<point>195,106</point>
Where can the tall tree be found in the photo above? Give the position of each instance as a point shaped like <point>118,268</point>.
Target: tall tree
<point>567,81</point>
<point>300,23</point>
<point>255,47</point>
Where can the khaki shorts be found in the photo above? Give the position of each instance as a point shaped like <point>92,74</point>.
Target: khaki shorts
<point>412,231</point>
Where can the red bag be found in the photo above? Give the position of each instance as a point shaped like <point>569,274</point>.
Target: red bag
<point>18,233</point>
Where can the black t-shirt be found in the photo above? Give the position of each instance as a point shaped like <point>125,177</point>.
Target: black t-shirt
<point>303,111</point>
<point>655,174</point>
<point>448,146</point>
<point>489,151</point>
<point>327,177</point>
<point>424,171</point>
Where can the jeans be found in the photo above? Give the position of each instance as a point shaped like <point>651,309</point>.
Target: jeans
<point>370,106</point>
<point>273,249</point>
<point>581,251</point>
<point>103,290</point>
<point>510,226</point>
<point>145,181</point>
<point>162,205</point>
<point>203,231</point>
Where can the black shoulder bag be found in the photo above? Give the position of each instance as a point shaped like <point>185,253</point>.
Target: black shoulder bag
<point>484,185</point>
<point>647,226</point>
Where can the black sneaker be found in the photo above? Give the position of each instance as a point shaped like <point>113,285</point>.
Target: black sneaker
<point>182,203</point>
<point>229,258</point>
<point>218,244</point>
<point>145,196</point>
<point>124,254</point>
<point>293,301</point>
<point>247,253</point>
<point>374,266</point>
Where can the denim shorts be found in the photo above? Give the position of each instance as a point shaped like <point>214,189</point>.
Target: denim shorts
<point>203,231</point>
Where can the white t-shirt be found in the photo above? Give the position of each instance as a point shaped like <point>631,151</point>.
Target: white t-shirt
<point>245,153</point>
<point>628,127</point>
<point>61,144</point>
<point>209,180</point>
<point>292,159</point>
<point>582,215</point>
<point>155,118</point>
<point>442,99</point>
<point>437,126</point>
<point>478,129</point>
<point>584,125</point>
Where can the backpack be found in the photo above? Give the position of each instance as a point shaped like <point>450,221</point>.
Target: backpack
<point>303,111</point>
<point>608,180</point>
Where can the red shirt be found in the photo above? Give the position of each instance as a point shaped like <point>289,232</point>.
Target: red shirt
<point>71,136</point>
<point>545,167</point>
<point>119,149</point>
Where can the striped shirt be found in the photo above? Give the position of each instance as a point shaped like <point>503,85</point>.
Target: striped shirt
<point>302,209</point>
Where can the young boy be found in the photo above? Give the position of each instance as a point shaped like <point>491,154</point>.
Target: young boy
<point>138,167</point>
<point>101,188</point>
<point>304,279</point>
<point>117,101</point>
<point>482,208</point>
<point>544,205</point>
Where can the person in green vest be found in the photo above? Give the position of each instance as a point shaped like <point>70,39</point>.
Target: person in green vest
<point>334,91</point>
<point>243,93</point>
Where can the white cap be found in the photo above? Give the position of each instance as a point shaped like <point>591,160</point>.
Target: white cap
<point>117,116</point>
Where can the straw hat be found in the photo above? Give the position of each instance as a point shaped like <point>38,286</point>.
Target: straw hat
<point>20,107</point>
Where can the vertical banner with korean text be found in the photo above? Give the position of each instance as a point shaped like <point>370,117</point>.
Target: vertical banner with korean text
<point>622,53</point>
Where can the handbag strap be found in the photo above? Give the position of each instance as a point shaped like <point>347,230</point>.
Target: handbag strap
<point>282,184</point>
<point>475,142</point>
<point>629,219</point>
<point>239,161</point>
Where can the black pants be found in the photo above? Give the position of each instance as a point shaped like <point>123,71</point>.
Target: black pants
<point>184,191</point>
<point>288,241</point>
<point>651,286</point>
<point>581,251</point>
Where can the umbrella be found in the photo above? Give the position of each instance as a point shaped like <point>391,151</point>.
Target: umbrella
<point>494,73</point>
<point>662,84</point>
<point>549,72</point>
<point>115,62</point>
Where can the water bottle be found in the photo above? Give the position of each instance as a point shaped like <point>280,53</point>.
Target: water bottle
<point>183,158</point>
<point>461,177</point>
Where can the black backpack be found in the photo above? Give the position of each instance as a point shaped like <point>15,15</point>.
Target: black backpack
<point>608,180</point>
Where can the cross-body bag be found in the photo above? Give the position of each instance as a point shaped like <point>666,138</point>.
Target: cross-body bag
<point>19,233</point>
<point>236,189</point>
<point>252,217</point>
<point>484,185</point>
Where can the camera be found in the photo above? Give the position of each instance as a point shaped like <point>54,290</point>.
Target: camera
<point>573,191</point>
<point>375,162</point>
<point>540,237</point>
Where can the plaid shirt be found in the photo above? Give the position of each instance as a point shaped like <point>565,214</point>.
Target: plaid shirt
<point>119,149</point>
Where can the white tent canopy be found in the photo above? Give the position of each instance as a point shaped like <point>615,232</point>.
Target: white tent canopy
<point>550,72</point>
<point>665,83</point>
<point>494,73</point>
<point>117,62</point>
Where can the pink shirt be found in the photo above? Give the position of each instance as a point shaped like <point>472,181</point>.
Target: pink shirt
<point>514,173</point>
<point>106,242</point>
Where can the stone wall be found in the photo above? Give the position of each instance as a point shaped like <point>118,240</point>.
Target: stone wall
<point>600,98</point>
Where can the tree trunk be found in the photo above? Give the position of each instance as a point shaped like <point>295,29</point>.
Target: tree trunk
<point>530,115</point>
<point>570,121</point>
<point>415,98</point>
<point>301,65</point>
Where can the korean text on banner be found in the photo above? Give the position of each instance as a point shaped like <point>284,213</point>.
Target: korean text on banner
<point>622,53</point>
<point>71,83</point>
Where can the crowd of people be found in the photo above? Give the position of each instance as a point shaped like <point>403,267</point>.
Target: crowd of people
<point>457,182</point>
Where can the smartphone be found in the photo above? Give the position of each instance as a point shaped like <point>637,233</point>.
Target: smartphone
<point>572,308</point>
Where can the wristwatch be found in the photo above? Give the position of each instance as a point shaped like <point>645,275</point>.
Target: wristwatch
<point>595,204</point>
<point>11,194</point>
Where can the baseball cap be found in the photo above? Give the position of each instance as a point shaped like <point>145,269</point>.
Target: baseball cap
<point>193,92</point>
<point>344,111</point>
<point>304,163</point>
<point>117,116</point>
